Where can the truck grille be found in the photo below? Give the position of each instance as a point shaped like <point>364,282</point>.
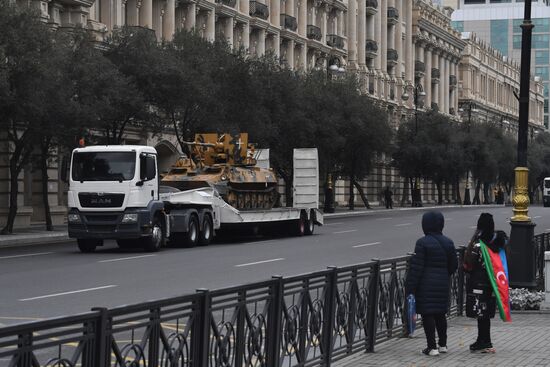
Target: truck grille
<point>101,228</point>
<point>90,218</point>
<point>97,200</point>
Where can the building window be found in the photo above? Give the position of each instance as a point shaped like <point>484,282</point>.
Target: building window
<point>458,25</point>
<point>542,58</point>
<point>545,106</point>
<point>546,121</point>
<point>516,25</point>
<point>541,40</point>
<point>468,2</point>
<point>545,90</point>
<point>542,71</point>
<point>499,35</point>
<point>516,42</point>
<point>542,25</point>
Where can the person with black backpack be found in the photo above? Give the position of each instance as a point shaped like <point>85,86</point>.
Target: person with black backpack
<point>428,278</point>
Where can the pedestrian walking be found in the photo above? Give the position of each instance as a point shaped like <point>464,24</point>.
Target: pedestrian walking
<point>388,198</point>
<point>428,278</point>
<point>484,280</point>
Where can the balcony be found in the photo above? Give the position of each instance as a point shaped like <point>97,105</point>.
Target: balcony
<point>288,22</point>
<point>334,40</point>
<point>258,10</point>
<point>314,32</point>
<point>453,81</point>
<point>372,7</point>
<point>230,3</point>
<point>393,56</point>
<point>393,15</point>
<point>371,49</point>
<point>435,75</point>
<point>419,68</point>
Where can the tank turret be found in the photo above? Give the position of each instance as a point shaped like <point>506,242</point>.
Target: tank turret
<point>227,163</point>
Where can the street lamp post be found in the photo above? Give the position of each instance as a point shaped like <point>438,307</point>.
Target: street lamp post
<point>334,68</point>
<point>418,98</point>
<point>522,259</point>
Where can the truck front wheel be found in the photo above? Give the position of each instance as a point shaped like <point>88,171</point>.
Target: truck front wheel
<point>156,240</point>
<point>88,245</point>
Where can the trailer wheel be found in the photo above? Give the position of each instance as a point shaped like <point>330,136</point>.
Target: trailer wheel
<point>310,224</point>
<point>88,245</point>
<point>191,237</point>
<point>300,225</point>
<point>207,231</point>
<point>154,242</point>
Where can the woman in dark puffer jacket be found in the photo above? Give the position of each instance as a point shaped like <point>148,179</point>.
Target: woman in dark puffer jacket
<point>431,266</point>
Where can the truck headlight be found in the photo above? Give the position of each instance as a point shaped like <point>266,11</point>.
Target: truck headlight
<point>130,218</point>
<point>73,218</point>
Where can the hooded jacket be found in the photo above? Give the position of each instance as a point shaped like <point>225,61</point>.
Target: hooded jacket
<point>431,266</point>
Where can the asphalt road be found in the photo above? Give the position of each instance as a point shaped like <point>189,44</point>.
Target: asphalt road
<point>52,280</point>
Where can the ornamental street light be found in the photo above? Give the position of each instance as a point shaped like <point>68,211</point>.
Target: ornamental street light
<point>418,95</point>
<point>471,107</point>
<point>522,259</point>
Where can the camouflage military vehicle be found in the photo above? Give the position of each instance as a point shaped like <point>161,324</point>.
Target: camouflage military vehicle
<point>227,163</point>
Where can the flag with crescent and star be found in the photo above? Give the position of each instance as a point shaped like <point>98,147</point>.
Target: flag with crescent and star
<point>497,269</point>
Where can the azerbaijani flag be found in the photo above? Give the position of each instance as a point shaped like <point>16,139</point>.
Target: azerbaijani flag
<point>497,269</point>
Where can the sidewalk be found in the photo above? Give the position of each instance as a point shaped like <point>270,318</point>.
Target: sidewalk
<point>524,342</point>
<point>36,234</point>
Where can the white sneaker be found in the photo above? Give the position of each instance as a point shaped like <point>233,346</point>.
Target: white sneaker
<point>430,352</point>
<point>442,349</point>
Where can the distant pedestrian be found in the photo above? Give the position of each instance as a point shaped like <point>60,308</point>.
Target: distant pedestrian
<point>388,198</point>
<point>431,266</point>
<point>481,299</point>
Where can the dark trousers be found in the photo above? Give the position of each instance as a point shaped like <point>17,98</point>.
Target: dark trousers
<point>484,330</point>
<point>431,324</point>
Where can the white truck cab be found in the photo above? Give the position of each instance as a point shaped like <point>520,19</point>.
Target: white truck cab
<point>114,194</point>
<point>546,192</point>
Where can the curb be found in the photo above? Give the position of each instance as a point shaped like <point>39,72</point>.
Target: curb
<point>353,213</point>
<point>42,239</point>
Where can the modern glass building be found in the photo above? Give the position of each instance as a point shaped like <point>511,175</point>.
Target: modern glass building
<point>498,23</point>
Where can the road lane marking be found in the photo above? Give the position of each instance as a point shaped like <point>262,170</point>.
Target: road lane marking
<point>473,227</point>
<point>333,224</point>
<point>25,255</point>
<point>125,258</point>
<point>367,244</point>
<point>538,216</point>
<point>66,293</point>
<point>403,224</point>
<point>260,262</point>
<point>384,218</point>
<point>348,231</point>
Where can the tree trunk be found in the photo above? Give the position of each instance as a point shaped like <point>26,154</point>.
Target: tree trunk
<point>405,196</point>
<point>14,190</point>
<point>486,198</point>
<point>457,192</point>
<point>477,200</point>
<point>362,194</point>
<point>44,168</point>
<point>439,193</point>
<point>351,199</point>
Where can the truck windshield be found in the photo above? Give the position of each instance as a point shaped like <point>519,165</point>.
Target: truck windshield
<point>547,184</point>
<point>103,166</point>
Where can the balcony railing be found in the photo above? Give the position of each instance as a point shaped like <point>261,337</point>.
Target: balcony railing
<point>334,40</point>
<point>258,10</point>
<point>393,56</point>
<point>314,32</point>
<point>372,6</point>
<point>435,73</point>
<point>289,22</point>
<point>230,3</point>
<point>453,81</point>
<point>393,15</point>
<point>371,49</point>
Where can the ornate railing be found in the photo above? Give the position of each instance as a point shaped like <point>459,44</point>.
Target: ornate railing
<point>289,22</point>
<point>436,74</point>
<point>541,244</point>
<point>419,67</point>
<point>453,80</point>
<point>435,106</point>
<point>393,56</point>
<point>333,40</point>
<point>230,3</point>
<point>372,6</point>
<point>303,320</point>
<point>314,32</point>
<point>371,46</point>
<point>393,15</point>
<point>258,10</point>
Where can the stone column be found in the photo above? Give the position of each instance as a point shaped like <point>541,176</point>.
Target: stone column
<point>428,87</point>
<point>157,18</point>
<point>132,13</point>
<point>275,13</point>
<point>260,48</point>
<point>146,14</point>
<point>378,38</point>
<point>455,67</point>
<point>443,75</point>
<point>302,19</point>
<point>361,34</point>
<point>210,25</point>
<point>398,35</point>
<point>383,45</point>
<point>228,30</point>
<point>290,53</point>
<point>303,57</point>
<point>191,17</point>
<point>289,8</point>
<point>324,25</point>
<point>435,94</point>
<point>447,85</point>
<point>246,37</point>
<point>352,34</point>
<point>105,13</point>
<point>277,45</point>
<point>169,20</point>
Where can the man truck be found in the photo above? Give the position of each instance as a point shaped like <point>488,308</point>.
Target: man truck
<point>115,193</point>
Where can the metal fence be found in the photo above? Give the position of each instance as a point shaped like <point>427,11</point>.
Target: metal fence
<point>542,244</point>
<point>306,320</point>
